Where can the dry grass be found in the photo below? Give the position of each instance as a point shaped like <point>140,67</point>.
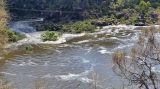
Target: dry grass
<point>136,68</point>
<point>40,84</point>
<point>3,23</point>
<point>7,86</point>
<point>118,57</point>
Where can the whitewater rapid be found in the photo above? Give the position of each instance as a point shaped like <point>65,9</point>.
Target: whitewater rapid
<point>72,63</point>
<point>34,37</point>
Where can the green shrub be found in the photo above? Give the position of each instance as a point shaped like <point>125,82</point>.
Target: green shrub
<point>28,47</point>
<point>50,36</point>
<point>13,36</point>
<point>107,19</point>
<point>78,27</point>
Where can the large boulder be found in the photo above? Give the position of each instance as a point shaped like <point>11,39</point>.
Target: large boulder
<point>140,24</point>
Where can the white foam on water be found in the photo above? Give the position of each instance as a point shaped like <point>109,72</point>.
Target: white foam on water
<point>109,31</point>
<point>75,77</point>
<point>47,76</point>
<point>128,57</point>
<point>83,41</point>
<point>31,76</point>
<point>65,45</point>
<point>33,37</point>
<point>156,69</point>
<point>30,63</point>
<point>88,50</point>
<point>102,47</point>
<point>70,36</point>
<point>126,35</point>
<point>85,61</point>
<point>120,27</point>
<point>123,46</point>
<point>27,63</point>
<point>80,77</point>
<point>69,76</point>
<point>58,51</point>
<point>62,64</point>
<point>22,64</point>
<point>46,63</point>
<point>157,36</point>
<point>104,50</point>
<point>11,74</point>
<point>86,80</point>
<point>115,38</point>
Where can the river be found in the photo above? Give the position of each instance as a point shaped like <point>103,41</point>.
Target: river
<point>82,62</point>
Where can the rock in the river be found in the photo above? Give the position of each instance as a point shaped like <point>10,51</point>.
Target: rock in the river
<point>140,24</point>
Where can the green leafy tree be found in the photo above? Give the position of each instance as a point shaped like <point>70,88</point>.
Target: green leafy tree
<point>144,6</point>
<point>78,27</point>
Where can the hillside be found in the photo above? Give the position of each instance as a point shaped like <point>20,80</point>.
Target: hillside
<point>66,10</point>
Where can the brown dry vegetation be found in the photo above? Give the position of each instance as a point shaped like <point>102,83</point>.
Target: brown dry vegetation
<point>3,22</point>
<point>137,69</point>
<point>7,86</point>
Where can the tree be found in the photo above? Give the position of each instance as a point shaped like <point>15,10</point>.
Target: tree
<point>139,67</point>
<point>144,6</point>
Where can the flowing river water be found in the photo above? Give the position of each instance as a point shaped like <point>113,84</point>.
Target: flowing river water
<point>83,62</point>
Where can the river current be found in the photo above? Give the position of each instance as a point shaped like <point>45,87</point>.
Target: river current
<point>83,61</point>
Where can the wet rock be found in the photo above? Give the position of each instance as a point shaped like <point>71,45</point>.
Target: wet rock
<point>140,24</point>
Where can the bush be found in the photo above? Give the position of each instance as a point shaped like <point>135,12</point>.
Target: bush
<point>78,27</point>
<point>28,47</point>
<point>50,36</point>
<point>3,23</point>
<point>13,36</point>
